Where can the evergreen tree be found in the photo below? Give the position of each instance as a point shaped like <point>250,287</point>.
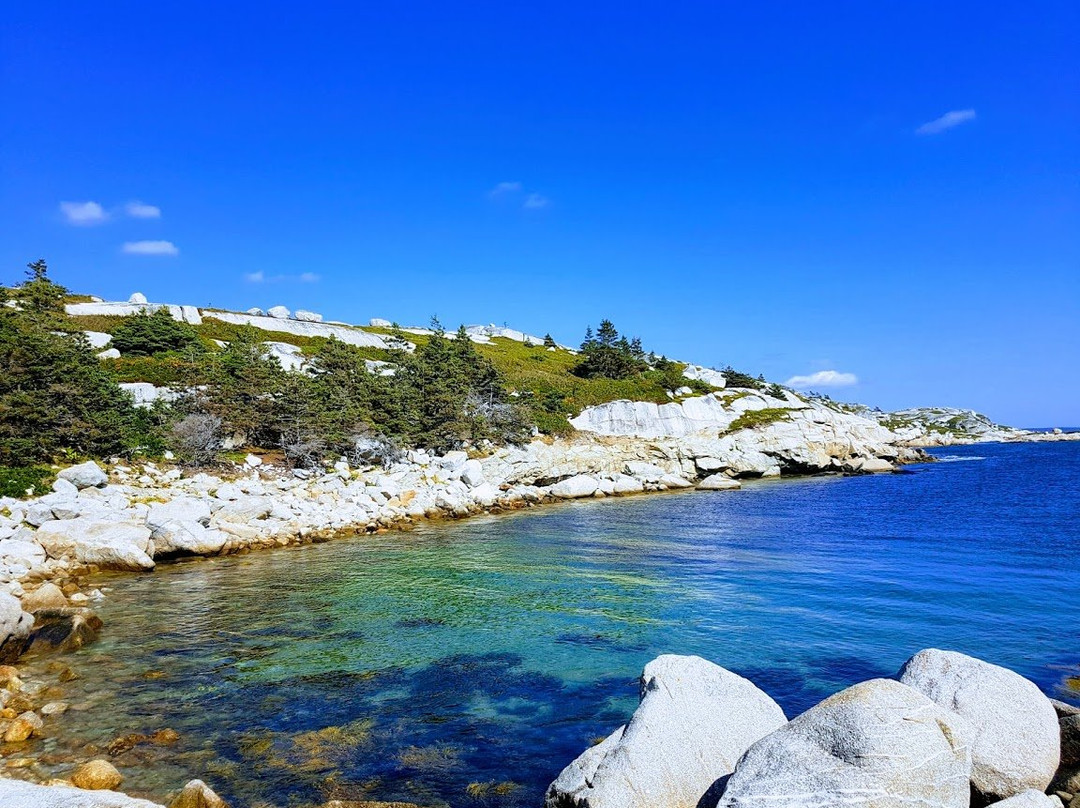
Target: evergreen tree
<point>609,355</point>
<point>55,395</point>
<point>148,334</point>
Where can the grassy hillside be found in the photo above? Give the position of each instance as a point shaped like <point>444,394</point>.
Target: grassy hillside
<point>542,379</point>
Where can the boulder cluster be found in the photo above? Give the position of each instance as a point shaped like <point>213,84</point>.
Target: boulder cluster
<point>948,731</point>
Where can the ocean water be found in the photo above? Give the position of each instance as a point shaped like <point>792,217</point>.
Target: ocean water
<point>466,663</point>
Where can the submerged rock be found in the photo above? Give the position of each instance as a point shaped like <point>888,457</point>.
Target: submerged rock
<point>1016,742</point>
<point>878,744</point>
<point>64,630</point>
<point>694,721</point>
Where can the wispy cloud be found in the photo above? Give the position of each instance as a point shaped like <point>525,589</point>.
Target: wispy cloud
<point>83,213</point>
<point>261,277</point>
<point>535,202</point>
<point>150,248</point>
<point>140,210</point>
<point>504,189</point>
<point>946,122</point>
<point>823,378</point>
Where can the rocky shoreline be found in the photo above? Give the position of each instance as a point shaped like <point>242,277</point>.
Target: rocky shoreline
<point>129,517</point>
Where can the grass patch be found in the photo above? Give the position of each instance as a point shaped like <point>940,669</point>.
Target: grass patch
<point>15,482</point>
<point>752,419</point>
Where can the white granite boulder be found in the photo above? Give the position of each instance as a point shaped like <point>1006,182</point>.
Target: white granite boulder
<point>15,626</point>
<point>694,721</point>
<point>20,794</point>
<point>878,744</point>
<point>138,298</point>
<point>108,543</point>
<point>278,313</point>
<point>187,537</point>
<point>1016,741</point>
<point>305,316</point>
<point>1031,798</point>
<point>84,475</point>
<point>581,485</point>
<point>181,509</point>
<point>719,482</point>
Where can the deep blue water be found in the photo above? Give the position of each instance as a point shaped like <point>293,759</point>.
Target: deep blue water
<point>461,656</point>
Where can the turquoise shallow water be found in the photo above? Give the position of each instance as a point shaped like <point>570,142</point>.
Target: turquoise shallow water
<point>466,663</point>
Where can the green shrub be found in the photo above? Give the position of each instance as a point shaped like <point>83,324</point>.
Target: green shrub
<point>16,481</point>
<point>751,419</point>
<point>151,334</point>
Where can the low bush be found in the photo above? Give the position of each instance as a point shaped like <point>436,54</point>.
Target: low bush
<point>23,481</point>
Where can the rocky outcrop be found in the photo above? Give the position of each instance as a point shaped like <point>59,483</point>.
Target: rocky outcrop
<point>347,334</point>
<point>120,545</point>
<point>18,794</point>
<point>1015,740</point>
<point>197,794</point>
<point>694,721</point>
<point>879,744</point>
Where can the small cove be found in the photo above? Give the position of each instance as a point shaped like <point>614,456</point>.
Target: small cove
<point>466,663</point>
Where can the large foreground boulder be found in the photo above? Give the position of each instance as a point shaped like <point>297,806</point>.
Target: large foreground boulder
<point>694,721</point>
<point>575,487</point>
<point>878,744</point>
<point>1016,741</point>
<point>19,794</point>
<point>187,538</point>
<point>109,544</point>
<point>15,627</point>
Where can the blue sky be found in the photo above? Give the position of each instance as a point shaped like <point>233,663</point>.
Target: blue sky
<point>887,190</point>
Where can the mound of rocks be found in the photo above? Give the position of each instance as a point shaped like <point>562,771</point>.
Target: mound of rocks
<point>950,731</point>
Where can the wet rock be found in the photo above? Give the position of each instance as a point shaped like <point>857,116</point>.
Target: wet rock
<point>187,537</point>
<point>84,475</point>
<point>55,708</point>
<point>97,774</point>
<point>879,743</point>
<point>197,794</point>
<point>46,596</point>
<point>125,743</point>
<point>694,721</point>
<point>1016,744</point>
<point>20,794</point>
<point>15,627</point>
<point>64,630</point>
<point>23,727</point>
<point>165,737</point>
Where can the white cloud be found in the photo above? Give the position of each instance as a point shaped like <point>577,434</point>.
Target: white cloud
<point>946,122</point>
<point>535,201</point>
<point>150,248</point>
<point>83,213</point>
<point>823,378</point>
<point>140,210</point>
<point>261,277</point>
<point>504,188</point>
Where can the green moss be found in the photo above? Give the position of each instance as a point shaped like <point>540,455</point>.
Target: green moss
<point>752,419</point>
